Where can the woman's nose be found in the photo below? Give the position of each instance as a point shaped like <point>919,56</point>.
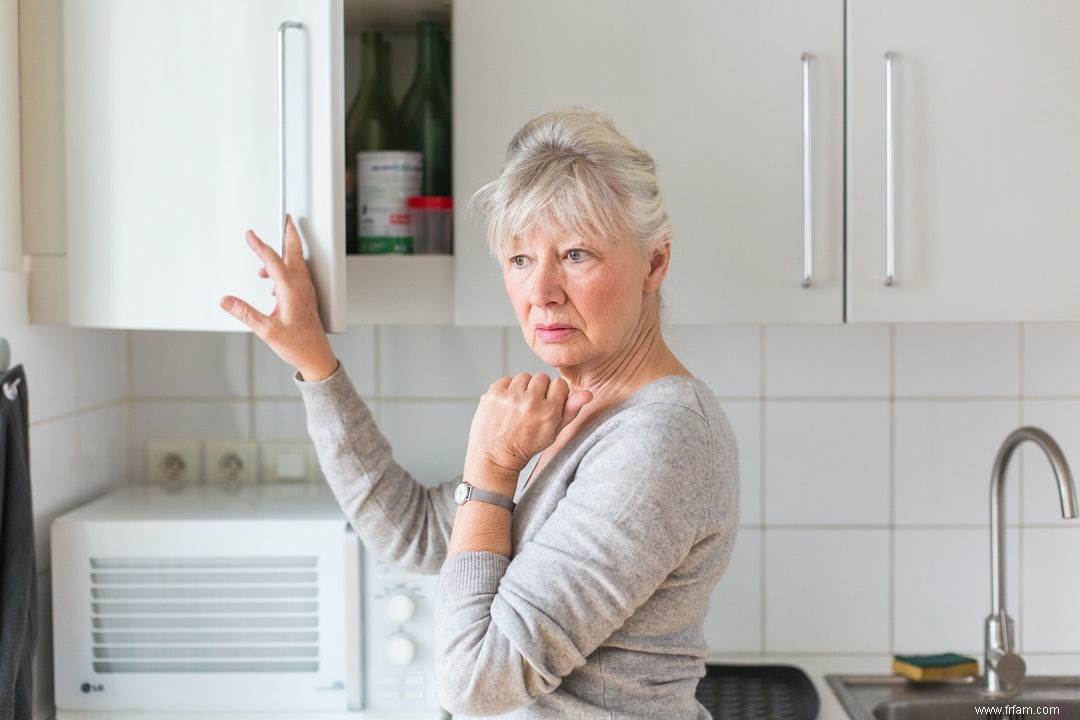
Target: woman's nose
<point>547,286</point>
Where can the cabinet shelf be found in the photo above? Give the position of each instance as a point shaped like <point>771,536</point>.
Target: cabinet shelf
<point>400,289</point>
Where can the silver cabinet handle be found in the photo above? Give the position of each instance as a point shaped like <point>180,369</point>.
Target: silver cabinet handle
<point>890,175</point>
<point>808,187</point>
<point>282,28</point>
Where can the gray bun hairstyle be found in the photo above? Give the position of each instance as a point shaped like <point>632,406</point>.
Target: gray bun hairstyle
<point>570,170</point>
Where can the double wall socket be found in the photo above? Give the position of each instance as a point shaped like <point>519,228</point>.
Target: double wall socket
<point>231,461</point>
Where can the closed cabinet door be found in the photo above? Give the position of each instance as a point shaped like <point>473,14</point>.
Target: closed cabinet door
<point>188,123</point>
<point>739,103</point>
<point>962,160</point>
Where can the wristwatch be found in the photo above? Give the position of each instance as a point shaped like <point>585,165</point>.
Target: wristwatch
<point>466,492</point>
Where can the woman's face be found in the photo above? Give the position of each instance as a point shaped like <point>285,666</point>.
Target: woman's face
<point>579,301</point>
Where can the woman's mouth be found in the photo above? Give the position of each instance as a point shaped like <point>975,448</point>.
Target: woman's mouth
<point>553,333</point>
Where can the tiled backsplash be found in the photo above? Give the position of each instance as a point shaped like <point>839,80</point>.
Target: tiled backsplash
<point>77,382</point>
<point>865,454</point>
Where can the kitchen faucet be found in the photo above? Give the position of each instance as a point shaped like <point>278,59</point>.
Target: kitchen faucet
<point>1005,668</point>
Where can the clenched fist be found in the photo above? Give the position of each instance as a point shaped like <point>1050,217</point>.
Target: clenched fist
<point>517,418</point>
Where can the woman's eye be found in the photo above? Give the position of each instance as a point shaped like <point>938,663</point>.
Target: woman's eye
<point>576,255</point>
<point>518,261</point>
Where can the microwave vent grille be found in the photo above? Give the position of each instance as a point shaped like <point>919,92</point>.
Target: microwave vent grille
<point>205,614</point>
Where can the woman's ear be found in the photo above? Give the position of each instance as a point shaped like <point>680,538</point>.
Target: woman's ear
<point>658,265</point>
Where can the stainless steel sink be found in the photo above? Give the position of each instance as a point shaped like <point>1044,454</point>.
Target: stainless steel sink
<point>888,697</point>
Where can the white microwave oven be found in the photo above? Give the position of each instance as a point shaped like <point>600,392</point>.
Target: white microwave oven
<point>233,603</point>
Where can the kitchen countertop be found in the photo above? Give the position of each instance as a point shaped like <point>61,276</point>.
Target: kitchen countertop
<point>818,666</point>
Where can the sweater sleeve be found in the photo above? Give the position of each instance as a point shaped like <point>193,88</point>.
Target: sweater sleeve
<point>510,631</point>
<point>399,519</point>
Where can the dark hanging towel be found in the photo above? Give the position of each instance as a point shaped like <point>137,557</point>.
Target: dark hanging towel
<point>18,580</point>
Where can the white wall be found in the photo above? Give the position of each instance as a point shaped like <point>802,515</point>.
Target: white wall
<point>77,383</point>
<point>865,451</point>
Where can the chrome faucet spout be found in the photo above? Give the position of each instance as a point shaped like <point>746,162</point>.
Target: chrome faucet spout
<point>1004,667</point>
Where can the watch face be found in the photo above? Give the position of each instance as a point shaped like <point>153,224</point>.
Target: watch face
<point>461,494</point>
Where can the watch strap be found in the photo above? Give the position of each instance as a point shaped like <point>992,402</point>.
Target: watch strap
<point>475,493</point>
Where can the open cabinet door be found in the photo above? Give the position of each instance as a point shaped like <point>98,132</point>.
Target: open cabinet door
<point>179,139</point>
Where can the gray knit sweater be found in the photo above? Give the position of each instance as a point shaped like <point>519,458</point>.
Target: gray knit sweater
<point>617,544</point>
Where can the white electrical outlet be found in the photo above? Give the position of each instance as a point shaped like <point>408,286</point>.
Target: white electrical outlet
<point>289,461</point>
<point>173,461</point>
<point>231,461</point>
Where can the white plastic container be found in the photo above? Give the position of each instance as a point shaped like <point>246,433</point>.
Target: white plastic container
<point>386,180</point>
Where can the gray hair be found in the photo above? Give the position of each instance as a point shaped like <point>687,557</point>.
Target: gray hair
<point>571,170</point>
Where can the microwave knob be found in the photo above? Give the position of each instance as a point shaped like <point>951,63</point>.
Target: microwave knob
<point>400,649</point>
<point>400,608</point>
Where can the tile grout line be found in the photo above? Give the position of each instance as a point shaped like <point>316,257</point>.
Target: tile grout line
<point>891,583</point>
<point>1021,331</point>
<point>762,454</point>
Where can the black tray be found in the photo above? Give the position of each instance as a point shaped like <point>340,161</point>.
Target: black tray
<point>758,692</point>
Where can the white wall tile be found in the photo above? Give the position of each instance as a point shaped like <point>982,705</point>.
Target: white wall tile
<point>1052,664</point>
<point>280,420</point>
<point>1050,585</point>
<point>184,421</point>
<point>827,589</point>
<point>1041,499</point>
<point>733,623</point>
<point>727,358</point>
<point>189,364</point>
<point>434,361</point>
<point>103,450</point>
<point>272,377</point>
<point>54,477</point>
<point>101,367</point>
<point>428,438</point>
<point>942,589</point>
<point>355,350</point>
<point>944,454</point>
<point>48,355</point>
<point>745,419</point>
<point>826,463</point>
<point>827,361</point>
<point>957,360</point>
<point>1051,359</point>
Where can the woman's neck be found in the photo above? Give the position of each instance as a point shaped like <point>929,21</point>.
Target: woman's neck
<point>644,359</point>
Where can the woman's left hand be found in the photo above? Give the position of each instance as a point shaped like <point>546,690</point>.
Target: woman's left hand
<point>517,418</point>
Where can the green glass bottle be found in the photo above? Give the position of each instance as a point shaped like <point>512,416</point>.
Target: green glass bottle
<point>425,111</point>
<point>371,124</point>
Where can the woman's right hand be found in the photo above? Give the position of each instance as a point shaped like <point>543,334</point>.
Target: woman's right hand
<point>293,329</point>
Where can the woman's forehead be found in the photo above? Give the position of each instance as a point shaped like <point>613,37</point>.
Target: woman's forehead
<point>557,237</point>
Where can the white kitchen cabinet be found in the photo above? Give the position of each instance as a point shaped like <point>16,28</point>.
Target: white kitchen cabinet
<point>714,91</point>
<point>13,287</point>
<point>985,111</point>
<point>172,152</point>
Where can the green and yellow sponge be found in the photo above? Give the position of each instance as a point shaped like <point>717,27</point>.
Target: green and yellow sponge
<point>931,668</point>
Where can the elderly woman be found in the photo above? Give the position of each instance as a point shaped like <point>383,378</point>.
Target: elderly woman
<point>574,586</point>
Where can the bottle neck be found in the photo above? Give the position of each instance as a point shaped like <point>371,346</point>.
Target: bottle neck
<point>428,59</point>
<point>371,60</point>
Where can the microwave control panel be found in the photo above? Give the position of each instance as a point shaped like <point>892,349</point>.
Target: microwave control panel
<point>399,634</point>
